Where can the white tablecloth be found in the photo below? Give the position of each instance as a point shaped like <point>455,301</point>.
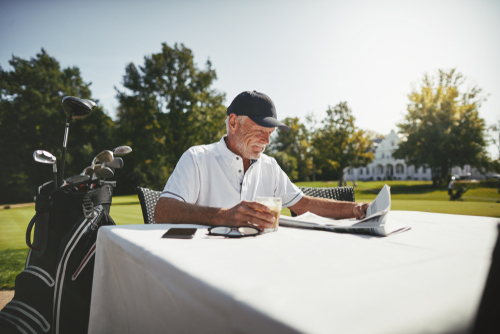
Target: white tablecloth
<point>428,279</point>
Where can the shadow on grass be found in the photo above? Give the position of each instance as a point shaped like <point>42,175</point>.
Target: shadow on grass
<point>404,189</point>
<point>126,203</point>
<point>11,264</point>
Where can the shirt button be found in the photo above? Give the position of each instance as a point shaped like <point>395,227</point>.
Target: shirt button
<point>237,158</point>
<point>239,171</point>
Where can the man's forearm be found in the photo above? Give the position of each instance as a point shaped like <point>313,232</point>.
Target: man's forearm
<point>324,207</point>
<point>172,211</point>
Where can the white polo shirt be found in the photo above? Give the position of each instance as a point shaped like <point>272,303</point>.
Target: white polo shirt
<point>212,175</point>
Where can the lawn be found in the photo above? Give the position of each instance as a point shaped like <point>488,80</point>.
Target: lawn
<point>406,195</point>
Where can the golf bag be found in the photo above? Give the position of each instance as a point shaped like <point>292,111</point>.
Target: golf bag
<point>53,291</point>
<point>458,194</point>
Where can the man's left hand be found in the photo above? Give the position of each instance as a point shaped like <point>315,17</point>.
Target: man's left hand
<point>359,210</point>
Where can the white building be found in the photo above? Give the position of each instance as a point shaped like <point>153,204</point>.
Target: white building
<point>386,167</point>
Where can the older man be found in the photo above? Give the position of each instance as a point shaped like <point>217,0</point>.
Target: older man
<point>217,184</point>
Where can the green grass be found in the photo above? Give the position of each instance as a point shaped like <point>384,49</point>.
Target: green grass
<point>406,195</point>
<point>126,210</point>
<point>416,191</point>
<point>12,263</point>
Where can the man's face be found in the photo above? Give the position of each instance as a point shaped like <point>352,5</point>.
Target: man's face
<point>252,139</point>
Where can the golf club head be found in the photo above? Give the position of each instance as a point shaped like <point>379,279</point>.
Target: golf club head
<point>104,172</point>
<point>116,163</point>
<point>104,156</point>
<point>75,107</point>
<point>121,151</point>
<point>87,171</point>
<point>92,103</point>
<point>98,166</point>
<point>44,157</point>
<point>94,168</point>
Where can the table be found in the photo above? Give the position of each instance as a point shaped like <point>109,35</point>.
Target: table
<point>429,279</point>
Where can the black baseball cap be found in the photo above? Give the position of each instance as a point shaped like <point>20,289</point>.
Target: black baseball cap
<point>258,107</point>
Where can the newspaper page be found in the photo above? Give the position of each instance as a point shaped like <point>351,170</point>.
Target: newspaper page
<point>373,224</point>
<point>381,204</point>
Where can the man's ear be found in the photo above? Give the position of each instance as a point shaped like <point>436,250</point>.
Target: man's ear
<point>233,123</point>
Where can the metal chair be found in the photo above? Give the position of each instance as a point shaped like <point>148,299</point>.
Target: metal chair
<point>337,193</point>
<point>148,199</point>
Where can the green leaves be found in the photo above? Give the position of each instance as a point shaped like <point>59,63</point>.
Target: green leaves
<point>296,145</point>
<point>332,147</point>
<point>31,118</point>
<point>170,108</point>
<point>443,128</point>
<point>339,143</point>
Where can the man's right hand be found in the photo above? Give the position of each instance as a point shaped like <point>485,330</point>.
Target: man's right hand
<point>248,213</point>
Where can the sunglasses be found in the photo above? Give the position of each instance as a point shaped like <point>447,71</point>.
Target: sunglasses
<point>234,231</point>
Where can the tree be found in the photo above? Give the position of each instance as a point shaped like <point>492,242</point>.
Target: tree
<point>294,144</point>
<point>32,118</point>
<point>170,108</point>
<point>339,143</point>
<point>287,163</point>
<point>494,136</point>
<point>442,128</point>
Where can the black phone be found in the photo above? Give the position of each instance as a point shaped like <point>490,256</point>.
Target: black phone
<point>180,233</point>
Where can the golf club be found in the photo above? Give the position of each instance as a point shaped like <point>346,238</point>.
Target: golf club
<point>104,156</point>
<point>87,171</point>
<point>74,107</point>
<point>76,179</point>
<point>121,151</point>
<point>104,172</point>
<point>97,167</point>
<point>116,163</point>
<point>45,157</point>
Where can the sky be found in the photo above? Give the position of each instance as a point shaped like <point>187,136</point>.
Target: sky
<point>306,55</point>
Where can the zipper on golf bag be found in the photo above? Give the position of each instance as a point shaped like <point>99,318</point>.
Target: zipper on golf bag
<point>53,291</point>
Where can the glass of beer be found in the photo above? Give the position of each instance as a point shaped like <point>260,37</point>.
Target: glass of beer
<point>273,203</point>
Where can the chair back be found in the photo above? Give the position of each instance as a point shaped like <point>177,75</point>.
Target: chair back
<point>148,199</point>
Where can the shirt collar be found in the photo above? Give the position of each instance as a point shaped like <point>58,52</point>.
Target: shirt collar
<point>226,153</point>
<point>228,156</point>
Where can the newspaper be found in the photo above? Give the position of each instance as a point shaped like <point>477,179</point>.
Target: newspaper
<point>373,224</point>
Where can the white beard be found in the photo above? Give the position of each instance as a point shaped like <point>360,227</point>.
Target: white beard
<point>247,151</point>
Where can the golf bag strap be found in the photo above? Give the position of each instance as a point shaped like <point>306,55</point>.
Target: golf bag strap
<point>28,231</point>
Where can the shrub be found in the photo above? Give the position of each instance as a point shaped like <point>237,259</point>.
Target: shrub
<point>490,183</point>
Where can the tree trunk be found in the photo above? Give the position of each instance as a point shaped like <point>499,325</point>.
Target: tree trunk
<point>341,176</point>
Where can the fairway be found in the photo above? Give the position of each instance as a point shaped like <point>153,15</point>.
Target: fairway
<point>406,196</point>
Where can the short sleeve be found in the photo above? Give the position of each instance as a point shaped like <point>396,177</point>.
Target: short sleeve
<point>289,192</point>
<point>184,183</point>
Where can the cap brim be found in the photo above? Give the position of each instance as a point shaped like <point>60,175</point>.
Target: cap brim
<point>269,122</point>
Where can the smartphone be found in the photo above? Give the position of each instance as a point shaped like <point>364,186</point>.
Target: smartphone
<point>180,233</point>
